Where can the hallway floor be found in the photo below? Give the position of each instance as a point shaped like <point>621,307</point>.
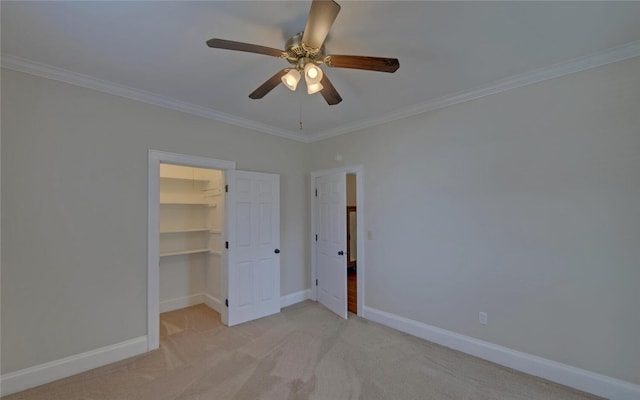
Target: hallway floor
<point>352,291</point>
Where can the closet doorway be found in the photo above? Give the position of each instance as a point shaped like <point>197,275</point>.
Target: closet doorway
<point>191,237</point>
<point>184,235</point>
<point>236,232</point>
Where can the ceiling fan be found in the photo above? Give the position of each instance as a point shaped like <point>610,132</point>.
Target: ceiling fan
<point>305,51</point>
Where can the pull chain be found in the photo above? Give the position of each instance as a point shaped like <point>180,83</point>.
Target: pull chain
<point>300,102</point>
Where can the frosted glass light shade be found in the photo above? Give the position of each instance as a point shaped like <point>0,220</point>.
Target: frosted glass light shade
<point>312,73</point>
<point>314,87</point>
<point>291,79</point>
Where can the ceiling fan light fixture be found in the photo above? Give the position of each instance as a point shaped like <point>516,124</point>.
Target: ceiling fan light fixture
<point>314,87</point>
<point>305,51</point>
<point>291,79</point>
<point>312,73</point>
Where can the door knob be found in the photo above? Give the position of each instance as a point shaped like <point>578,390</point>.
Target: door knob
<point>277,251</point>
<point>341,253</point>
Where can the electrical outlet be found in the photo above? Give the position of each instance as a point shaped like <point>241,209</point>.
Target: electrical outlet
<point>482,317</point>
<point>369,235</point>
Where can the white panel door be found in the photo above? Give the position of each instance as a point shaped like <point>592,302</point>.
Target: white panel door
<point>331,227</point>
<point>253,218</point>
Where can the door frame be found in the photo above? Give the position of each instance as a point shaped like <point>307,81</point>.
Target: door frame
<point>153,229</point>
<point>358,170</point>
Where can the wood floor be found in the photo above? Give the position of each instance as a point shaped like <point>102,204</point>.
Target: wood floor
<point>352,291</point>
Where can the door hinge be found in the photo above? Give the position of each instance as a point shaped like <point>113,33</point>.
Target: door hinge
<point>226,188</point>
<point>316,282</point>
<point>316,238</point>
<point>316,192</point>
<point>226,245</point>
<point>226,302</point>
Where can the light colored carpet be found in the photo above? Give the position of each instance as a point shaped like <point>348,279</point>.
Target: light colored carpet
<point>305,352</point>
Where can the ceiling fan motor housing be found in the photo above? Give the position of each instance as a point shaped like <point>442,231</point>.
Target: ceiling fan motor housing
<point>299,54</point>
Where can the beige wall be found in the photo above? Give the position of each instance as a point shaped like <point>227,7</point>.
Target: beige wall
<point>74,211</point>
<point>525,205</point>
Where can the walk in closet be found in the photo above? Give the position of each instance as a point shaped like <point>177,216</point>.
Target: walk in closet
<point>191,236</point>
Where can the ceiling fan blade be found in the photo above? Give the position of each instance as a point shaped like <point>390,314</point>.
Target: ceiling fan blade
<point>329,92</point>
<point>321,17</point>
<point>363,62</point>
<point>241,46</point>
<point>269,85</point>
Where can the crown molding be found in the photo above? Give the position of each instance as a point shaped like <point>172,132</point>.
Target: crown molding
<point>619,53</point>
<point>58,74</point>
<point>611,55</point>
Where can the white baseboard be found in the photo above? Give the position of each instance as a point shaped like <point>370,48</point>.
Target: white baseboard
<point>295,297</point>
<point>44,373</point>
<point>213,302</point>
<point>181,302</point>
<point>216,304</point>
<point>600,385</point>
<point>40,374</point>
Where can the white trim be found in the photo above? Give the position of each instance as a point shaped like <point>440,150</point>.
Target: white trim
<point>359,171</point>
<point>153,229</point>
<point>192,300</point>
<point>74,78</point>
<point>181,302</point>
<point>600,385</point>
<point>153,251</point>
<point>607,56</point>
<point>360,261</point>
<point>212,302</point>
<point>295,297</point>
<point>0,256</point>
<point>216,304</point>
<point>190,160</point>
<point>614,54</point>
<point>312,232</point>
<point>44,373</point>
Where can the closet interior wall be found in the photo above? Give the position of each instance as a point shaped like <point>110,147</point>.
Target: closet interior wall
<point>191,236</point>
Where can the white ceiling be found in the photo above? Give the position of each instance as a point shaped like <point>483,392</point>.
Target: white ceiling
<point>156,51</point>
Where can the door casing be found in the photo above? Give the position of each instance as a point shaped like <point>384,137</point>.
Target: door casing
<point>358,170</point>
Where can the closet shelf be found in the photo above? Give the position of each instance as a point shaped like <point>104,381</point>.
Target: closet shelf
<point>187,230</point>
<point>185,178</point>
<point>215,252</point>
<point>181,252</point>
<point>183,203</point>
